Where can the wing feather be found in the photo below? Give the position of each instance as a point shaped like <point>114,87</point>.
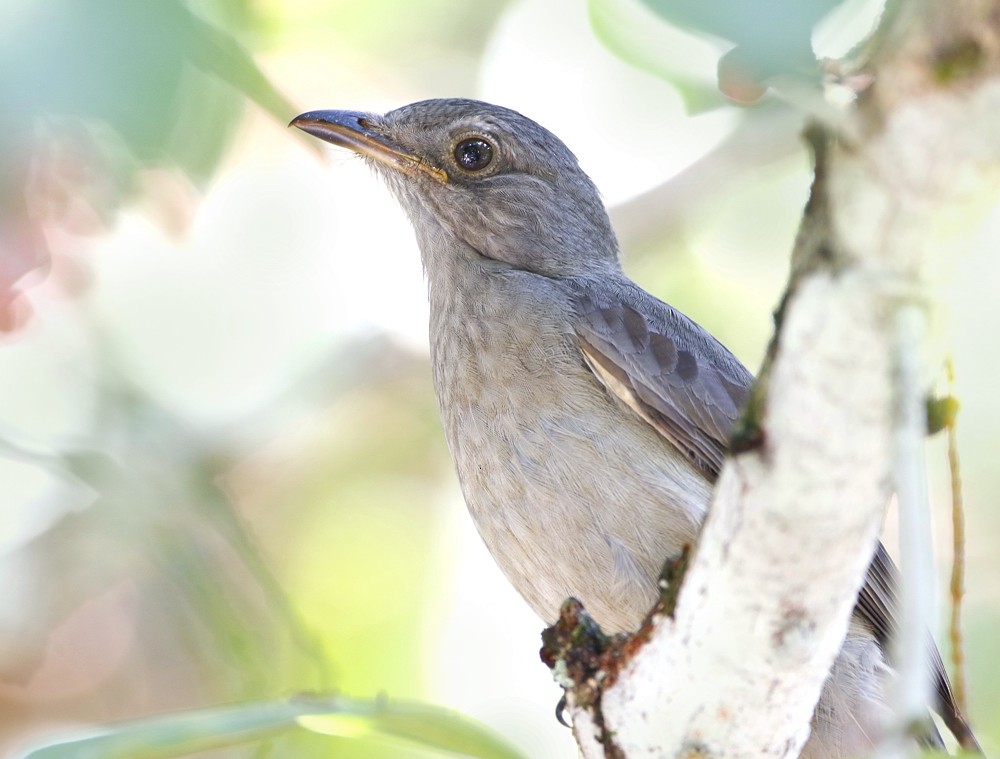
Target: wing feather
<point>686,385</point>
<point>669,371</point>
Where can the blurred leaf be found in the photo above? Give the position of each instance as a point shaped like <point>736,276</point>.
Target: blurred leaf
<point>217,53</point>
<point>428,726</point>
<point>180,733</point>
<point>373,27</point>
<point>771,43</point>
<point>775,36</point>
<point>95,92</point>
<point>160,518</point>
<point>201,729</point>
<point>624,28</point>
<point>134,67</point>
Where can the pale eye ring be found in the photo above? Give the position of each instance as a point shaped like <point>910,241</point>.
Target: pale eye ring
<point>474,154</point>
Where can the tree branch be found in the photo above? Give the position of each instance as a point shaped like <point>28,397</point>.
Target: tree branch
<point>738,668</point>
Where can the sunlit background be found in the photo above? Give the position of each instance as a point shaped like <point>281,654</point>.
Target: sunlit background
<point>222,476</point>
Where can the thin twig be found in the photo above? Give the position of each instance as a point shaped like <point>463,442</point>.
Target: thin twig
<point>913,686</point>
<point>958,556</point>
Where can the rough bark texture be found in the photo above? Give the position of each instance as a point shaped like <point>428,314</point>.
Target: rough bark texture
<point>764,607</point>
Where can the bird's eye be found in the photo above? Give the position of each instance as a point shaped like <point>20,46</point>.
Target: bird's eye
<point>474,154</point>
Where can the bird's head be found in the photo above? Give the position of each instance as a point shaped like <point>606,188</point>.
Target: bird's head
<point>486,177</point>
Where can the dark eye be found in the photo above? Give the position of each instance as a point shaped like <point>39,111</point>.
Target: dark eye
<point>474,154</point>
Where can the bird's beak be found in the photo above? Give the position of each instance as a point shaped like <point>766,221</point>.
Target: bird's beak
<point>351,129</point>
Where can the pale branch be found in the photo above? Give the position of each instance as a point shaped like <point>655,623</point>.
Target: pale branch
<point>737,668</point>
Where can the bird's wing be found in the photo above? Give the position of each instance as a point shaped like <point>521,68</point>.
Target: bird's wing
<point>877,600</point>
<point>665,368</point>
<point>690,389</point>
<point>877,606</point>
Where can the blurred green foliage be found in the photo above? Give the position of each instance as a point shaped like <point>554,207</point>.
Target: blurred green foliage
<point>94,93</point>
<point>774,36</point>
<point>187,732</point>
<point>419,29</point>
<point>166,82</point>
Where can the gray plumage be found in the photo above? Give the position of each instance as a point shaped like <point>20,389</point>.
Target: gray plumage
<point>587,419</point>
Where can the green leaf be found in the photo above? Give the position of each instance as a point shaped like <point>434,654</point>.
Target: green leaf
<point>941,413</point>
<point>637,36</point>
<point>177,734</point>
<point>168,84</point>
<point>182,733</point>
<point>775,35</point>
<point>423,724</point>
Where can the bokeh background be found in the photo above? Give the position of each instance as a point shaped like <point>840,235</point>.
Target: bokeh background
<point>221,472</point>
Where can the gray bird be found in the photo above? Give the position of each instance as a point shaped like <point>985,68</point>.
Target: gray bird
<point>588,420</point>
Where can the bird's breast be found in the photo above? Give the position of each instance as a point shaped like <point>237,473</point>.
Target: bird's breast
<point>573,495</point>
